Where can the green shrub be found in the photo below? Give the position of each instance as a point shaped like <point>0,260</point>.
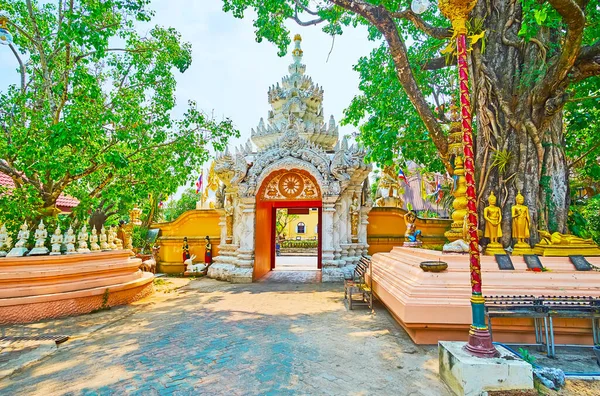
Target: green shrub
<point>300,244</point>
<point>584,220</point>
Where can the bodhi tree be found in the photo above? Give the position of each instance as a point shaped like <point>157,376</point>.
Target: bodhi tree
<point>92,115</point>
<point>283,219</point>
<point>526,58</point>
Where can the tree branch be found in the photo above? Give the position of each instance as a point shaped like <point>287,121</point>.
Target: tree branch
<point>383,21</point>
<point>587,63</point>
<point>21,67</point>
<point>438,63</point>
<point>305,8</point>
<point>315,21</point>
<point>588,152</point>
<point>440,33</point>
<point>574,17</point>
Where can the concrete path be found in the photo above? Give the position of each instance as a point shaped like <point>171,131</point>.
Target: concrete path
<point>295,263</point>
<point>215,338</point>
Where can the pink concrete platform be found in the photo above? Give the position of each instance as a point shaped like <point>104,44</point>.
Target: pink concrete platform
<point>40,287</point>
<point>436,306</point>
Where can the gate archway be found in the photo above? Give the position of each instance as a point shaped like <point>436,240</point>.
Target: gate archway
<point>293,188</point>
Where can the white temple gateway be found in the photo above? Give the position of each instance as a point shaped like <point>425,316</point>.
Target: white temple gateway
<point>299,164</point>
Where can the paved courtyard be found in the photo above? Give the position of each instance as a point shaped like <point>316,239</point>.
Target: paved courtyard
<point>214,338</point>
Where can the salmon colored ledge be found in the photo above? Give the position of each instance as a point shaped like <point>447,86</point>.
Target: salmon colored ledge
<point>35,288</point>
<point>435,306</point>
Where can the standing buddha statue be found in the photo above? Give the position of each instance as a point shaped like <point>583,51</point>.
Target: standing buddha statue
<point>493,228</point>
<point>520,226</point>
<point>185,249</point>
<point>208,252</point>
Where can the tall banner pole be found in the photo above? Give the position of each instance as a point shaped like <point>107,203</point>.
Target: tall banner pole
<point>480,340</point>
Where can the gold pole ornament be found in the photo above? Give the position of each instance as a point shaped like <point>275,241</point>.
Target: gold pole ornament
<point>457,11</point>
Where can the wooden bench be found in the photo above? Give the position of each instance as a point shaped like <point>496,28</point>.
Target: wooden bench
<point>357,286</point>
<point>525,306</point>
<point>543,309</point>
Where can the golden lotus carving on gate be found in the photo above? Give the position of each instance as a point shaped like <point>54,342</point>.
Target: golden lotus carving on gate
<point>290,185</point>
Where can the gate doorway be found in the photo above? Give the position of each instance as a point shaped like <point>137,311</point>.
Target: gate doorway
<point>295,191</point>
<point>296,239</point>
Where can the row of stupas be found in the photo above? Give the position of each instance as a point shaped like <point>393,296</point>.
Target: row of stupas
<point>69,243</point>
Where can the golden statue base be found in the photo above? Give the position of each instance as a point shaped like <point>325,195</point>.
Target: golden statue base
<point>566,250</point>
<point>521,249</point>
<point>454,234</point>
<point>494,248</point>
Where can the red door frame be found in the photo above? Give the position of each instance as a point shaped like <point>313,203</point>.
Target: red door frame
<point>302,205</point>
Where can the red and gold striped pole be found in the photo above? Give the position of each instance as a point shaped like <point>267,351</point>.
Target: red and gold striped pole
<point>480,340</point>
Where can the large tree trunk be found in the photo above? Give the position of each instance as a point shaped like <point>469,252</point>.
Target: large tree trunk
<point>507,123</point>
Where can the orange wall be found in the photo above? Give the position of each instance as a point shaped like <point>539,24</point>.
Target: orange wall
<point>193,224</point>
<point>264,239</point>
<point>386,229</point>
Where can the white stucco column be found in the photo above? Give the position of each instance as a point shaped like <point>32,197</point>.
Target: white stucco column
<point>327,228</point>
<point>223,228</point>
<point>362,230</point>
<point>244,232</point>
<point>337,250</point>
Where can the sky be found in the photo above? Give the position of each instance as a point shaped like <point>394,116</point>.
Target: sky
<point>231,73</point>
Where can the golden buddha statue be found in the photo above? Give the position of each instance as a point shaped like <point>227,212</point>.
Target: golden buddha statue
<point>520,226</point>
<point>493,228</point>
<point>563,245</point>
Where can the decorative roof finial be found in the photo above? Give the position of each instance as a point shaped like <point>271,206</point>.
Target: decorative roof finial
<point>297,51</point>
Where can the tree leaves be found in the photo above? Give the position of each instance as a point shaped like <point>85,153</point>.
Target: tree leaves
<point>94,120</point>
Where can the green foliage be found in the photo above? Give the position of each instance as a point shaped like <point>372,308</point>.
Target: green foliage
<point>528,357</point>
<point>300,244</point>
<point>582,116</point>
<point>93,118</point>
<point>584,220</point>
<point>427,214</point>
<point>501,159</point>
<point>138,238</point>
<point>282,220</point>
<point>388,122</point>
<point>175,208</point>
<point>536,15</point>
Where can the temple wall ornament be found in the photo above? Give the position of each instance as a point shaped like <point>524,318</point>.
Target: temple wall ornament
<point>459,192</point>
<point>354,218</point>
<point>389,189</point>
<point>229,209</point>
<point>290,185</point>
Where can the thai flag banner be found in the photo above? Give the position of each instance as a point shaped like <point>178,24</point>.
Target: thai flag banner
<point>439,192</point>
<point>199,184</point>
<point>402,176</point>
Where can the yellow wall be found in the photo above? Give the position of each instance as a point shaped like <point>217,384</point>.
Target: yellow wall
<point>310,220</point>
<point>193,224</point>
<point>386,229</point>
